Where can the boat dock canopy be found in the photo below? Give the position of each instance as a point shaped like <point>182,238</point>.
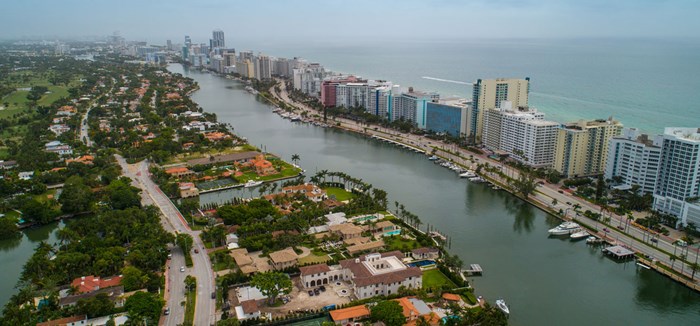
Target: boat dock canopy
<point>474,269</point>
<point>619,252</point>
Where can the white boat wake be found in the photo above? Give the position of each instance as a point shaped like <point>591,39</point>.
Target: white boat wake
<point>447,80</point>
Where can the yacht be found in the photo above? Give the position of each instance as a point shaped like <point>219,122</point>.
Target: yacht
<point>501,304</point>
<point>252,183</point>
<point>468,174</point>
<point>579,235</point>
<point>565,228</point>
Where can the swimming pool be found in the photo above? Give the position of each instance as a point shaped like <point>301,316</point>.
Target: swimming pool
<point>390,233</point>
<point>364,218</point>
<point>421,263</point>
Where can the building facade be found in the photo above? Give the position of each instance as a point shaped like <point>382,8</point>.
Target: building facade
<point>582,147</point>
<point>634,158</point>
<point>489,93</point>
<point>449,118</point>
<point>677,189</point>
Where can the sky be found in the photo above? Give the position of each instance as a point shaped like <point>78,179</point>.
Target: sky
<point>347,20</point>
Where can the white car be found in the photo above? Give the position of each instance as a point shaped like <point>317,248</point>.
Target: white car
<point>182,268</point>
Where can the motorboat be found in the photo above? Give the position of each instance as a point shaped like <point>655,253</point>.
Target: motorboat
<point>565,228</point>
<point>433,158</point>
<point>252,183</point>
<point>579,235</point>
<point>591,239</point>
<point>501,304</point>
<point>643,266</point>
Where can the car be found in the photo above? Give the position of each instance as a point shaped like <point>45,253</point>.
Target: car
<point>170,256</point>
<point>316,291</point>
<point>620,227</point>
<point>196,251</point>
<point>166,311</point>
<point>654,240</point>
<point>568,203</point>
<point>322,288</point>
<point>311,293</point>
<point>561,191</point>
<point>182,268</point>
<point>213,295</point>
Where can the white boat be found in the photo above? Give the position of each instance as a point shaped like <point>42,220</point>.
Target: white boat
<point>579,235</point>
<point>565,228</point>
<point>643,266</point>
<point>252,183</point>
<point>468,174</point>
<point>591,239</point>
<point>501,304</point>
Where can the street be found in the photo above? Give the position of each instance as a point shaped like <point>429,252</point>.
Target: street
<point>173,222</point>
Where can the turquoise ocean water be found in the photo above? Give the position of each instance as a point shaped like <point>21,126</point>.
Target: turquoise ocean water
<point>648,84</point>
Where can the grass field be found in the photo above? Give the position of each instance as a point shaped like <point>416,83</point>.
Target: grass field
<point>340,194</point>
<point>399,243</point>
<point>314,259</point>
<point>435,278</point>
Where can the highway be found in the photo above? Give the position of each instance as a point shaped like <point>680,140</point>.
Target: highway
<point>174,222</point>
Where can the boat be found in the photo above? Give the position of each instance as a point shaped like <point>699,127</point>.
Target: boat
<point>643,266</point>
<point>579,235</point>
<point>565,228</point>
<point>468,174</point>
<point>252,183</point>
<point>591,239</point>
<point>501,304</point>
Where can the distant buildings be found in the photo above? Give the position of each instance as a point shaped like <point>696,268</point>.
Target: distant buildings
<point>582,147</point>
<point>677,189</point>
<point>412,105</point>
<point>489,93</point>
<point>307,78</point>
<point>634,158</point>
<point>217,40</point>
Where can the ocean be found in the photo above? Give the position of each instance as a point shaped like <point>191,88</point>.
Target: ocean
<point>645,83</point>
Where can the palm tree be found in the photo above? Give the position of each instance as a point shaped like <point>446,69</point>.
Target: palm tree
<point>694,267</point>
<point>673,260</point>
<point>295,158</point>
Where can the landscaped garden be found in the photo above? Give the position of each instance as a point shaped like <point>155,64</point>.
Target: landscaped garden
<point>434,278</point>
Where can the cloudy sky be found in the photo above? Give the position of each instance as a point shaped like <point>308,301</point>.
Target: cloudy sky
<point>344,20</point>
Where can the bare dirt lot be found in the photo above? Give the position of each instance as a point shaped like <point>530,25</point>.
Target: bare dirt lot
<point>301,301</point>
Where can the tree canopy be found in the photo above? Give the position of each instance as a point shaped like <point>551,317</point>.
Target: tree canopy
<point>390,312</point>
<point>272,284</point>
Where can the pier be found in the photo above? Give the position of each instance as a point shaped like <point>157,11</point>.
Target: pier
<point>618,252</point>
<point>474,269</point>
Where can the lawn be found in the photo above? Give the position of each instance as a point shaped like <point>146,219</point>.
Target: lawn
<point>221,260</point>
<point>314,259</point>
<point>434,278</point>
<point>339,194</point>
<point>190,304</point>
<point>401,244</point>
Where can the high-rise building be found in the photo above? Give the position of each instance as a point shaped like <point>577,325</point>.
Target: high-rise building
<point>522,133</point>
<point>677,189</point>
<point>449,116</point>
<point>381,99</point>
<point>582,147</point>
<point>412,105</point>
<point>634,158</point>
<point>263,67</point>
<point>169,45</point>
<point>350,95</point>
<point>308,79</point>
<point>217,40</point>
<point>489,93</point>
<point>188,41</point>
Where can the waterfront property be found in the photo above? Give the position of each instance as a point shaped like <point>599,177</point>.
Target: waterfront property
<point>582,147</point>
<point>381,274</point>
<point>350,315</point>
<point>634,158</point>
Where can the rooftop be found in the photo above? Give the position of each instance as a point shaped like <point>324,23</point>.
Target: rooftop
<point>347,313</point>
<point>314,269</point>
<point>691,134</point>
<point>283,256</point>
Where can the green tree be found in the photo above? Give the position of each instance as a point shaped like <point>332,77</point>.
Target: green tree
<point>295,158</point>
<point>144,308</point>
<point>526,183</point>
<point>76,196</point>
<point>8,229</point>
<point>190,282</point>
<point>390,312</point>
<point>272,284</point>
<point>133,278</point>
<point>100,305</point>
<point>122,195</point>
<point>184,241</point>
<point>38,212</point>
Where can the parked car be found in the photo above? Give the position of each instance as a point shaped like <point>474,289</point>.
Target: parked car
<point>311,293</point>
<point>196,251</point>
<point>213,295</point>
<point>322,288</point>
<point>182,268</point>
<point>166,311</point>
<point>316,291</point>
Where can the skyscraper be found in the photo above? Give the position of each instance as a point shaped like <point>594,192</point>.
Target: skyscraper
<point>677,189</point>
<point>188,41</point>
<point>217,40</point>
<point>582,147</point>
<point>634,158</point>
<point>489,93</point>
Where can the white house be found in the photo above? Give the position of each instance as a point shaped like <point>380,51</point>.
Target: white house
<point>247,310</point>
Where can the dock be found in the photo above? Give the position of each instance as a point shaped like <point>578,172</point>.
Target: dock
<point>618,252</point>
<point>474,269</point>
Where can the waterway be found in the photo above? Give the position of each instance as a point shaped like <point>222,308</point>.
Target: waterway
<point>546,281</point>
<point>15,252</point>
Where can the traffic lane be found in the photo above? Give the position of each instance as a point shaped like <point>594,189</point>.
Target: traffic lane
<point>176,288</point>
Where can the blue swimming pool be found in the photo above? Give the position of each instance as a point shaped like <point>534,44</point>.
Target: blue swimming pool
<point>421,263</point>
<point>390,233</point>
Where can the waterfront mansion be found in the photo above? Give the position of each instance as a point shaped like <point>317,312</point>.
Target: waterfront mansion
<point>371,275</point>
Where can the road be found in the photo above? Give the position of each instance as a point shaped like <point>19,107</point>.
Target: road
<point>174,222</point>
<point>544,194</point>
<point>84,129</point>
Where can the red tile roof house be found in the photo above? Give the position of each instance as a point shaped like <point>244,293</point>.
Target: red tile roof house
<point>92,283</point>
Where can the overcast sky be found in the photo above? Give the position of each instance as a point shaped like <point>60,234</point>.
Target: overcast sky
<point>334,20</point>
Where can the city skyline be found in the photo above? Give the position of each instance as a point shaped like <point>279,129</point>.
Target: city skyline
<point>156,21</point>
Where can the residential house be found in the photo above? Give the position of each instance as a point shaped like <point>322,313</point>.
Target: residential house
<point>311,191</point>
<point>66,110</point>
<point>236,158</point>
<point>381,274</point>
<point>25,175</point>
<point>262,166</point>
<point>346,231</point>
<point>425,253</point>
<point>243,261</point>
<point>414,308</point>
<point>6,165</point>
<point>365,247</point>
<point>85,159</point>
<point>320,274</point>
<point>216,136</point>
<point>348,316</point>
<point>59,128</point>
<point>179,172</point>
<point>115,294</point>
<point>67,321</point>
<point>92,283</point>
<point>58,148</point>
<point>283,259</point>
<point>188,189</point>
<point>248,310</point>
<point>383,227</point>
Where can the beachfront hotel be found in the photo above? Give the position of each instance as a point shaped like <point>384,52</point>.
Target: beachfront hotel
<point>678,185</point>
<point>489,93</point>
<point>634,158</point>
<point>582,147</point>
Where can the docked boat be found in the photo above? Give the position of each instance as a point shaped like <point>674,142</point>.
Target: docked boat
<point>252,183</point>
<point>643,266</point>
<point>579,235</point>
<point>565,228</point>
<point>501,304</point>
<point>433,158</point>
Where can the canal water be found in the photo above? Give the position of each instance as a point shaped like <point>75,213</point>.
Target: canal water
<point>15,252</point>
<point>546,281</point>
